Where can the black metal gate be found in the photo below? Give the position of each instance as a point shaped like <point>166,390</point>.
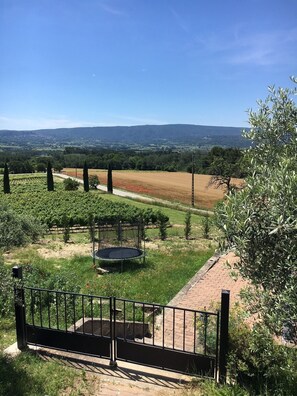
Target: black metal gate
<point>173,338</point>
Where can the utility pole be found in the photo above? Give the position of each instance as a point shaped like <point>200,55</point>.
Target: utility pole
<point>193,181</point>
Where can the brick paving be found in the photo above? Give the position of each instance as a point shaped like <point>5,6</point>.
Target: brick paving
<point>179,329</point>
<point>206,292</point>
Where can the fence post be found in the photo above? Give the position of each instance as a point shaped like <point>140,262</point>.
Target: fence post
<point>224,330</point>
<point>113,359</point>
<point>19,307</point>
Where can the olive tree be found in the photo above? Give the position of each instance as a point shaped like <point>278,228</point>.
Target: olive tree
<point>259,222</point>
<point>18,230</point>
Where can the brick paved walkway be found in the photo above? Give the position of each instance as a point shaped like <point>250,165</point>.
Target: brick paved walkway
<point>184,330</point>
<point>206,292</point>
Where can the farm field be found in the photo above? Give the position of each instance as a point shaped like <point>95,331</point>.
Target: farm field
<point>172,186</point>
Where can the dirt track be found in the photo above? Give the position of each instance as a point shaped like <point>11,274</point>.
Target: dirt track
<point>175,186</point>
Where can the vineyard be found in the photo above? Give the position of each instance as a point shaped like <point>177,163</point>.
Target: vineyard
<point>29,196</point>
<point>31,183</point>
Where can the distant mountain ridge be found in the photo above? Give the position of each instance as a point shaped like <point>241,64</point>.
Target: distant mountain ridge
<point>170,135</point>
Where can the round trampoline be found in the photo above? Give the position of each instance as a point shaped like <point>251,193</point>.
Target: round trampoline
<point>118,253</point>
<point>119,242</point>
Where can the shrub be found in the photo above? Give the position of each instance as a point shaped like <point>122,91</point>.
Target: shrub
<point>16,230</point>
<point>258,363</point>
<point>66,225</point>
<point>6,290</point>
<point>162,221</point>
<point>70,184</point>
<point>94,181</point>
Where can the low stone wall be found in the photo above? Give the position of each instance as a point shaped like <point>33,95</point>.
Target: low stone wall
<point>128,329</point>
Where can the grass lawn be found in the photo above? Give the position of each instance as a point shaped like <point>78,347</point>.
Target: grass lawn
<point>29,375</point>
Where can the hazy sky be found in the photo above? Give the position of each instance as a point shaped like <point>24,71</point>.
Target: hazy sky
<point>67,63</point>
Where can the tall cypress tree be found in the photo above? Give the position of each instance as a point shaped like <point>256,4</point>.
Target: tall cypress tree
<point>109,179</point>
<point>86,177</point>
<point>6,184</point>
<point>50,179</point>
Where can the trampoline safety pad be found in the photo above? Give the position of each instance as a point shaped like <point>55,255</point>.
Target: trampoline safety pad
<point>118,253</point>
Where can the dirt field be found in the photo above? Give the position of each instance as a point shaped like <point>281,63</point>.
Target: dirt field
<point>172,186</point>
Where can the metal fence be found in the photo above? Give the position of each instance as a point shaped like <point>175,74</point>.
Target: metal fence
<point>173,338</point>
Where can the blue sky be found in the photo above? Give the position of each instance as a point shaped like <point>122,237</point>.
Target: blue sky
<point>67,63</point>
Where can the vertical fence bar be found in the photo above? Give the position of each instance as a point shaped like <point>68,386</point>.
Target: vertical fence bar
<point>195,331</point>
<point>48,309</point>
<point>19,306</point>
<point>112,306</point>
<point>32,306</point>
<point>57,310</point>
<point>74,313</point>
<point>83,312</point>
<point>163,335</point>
<point>65,312</point>
<point>205,320</point>
<point>224,330</point>
<point>143,323</point>
<point>153,324</point>
<point>92,315</point>
<point>173,327</point>
<point>124,319</point>
<point>184,331</point>
<point>40,308</point>
<point>217,345</point>
<point>133,319</point>
<point>101,316</point>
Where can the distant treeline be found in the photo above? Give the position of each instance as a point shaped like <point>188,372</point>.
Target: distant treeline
<point>206,162</point>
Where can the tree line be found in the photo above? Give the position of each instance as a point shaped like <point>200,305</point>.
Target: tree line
<point>218,160</point>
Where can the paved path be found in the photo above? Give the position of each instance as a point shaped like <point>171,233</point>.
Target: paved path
<point>205,292</point>
<point>178,328</point>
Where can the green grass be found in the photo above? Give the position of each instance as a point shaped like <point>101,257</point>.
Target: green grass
<point>175,216</point>
<point>157,280</point>
<point>7,332</point>
<point>29,375</point>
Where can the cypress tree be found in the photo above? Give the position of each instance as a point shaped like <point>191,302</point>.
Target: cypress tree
<point>109,180</point>
<point>50,179</point>
<point>188,225</point>
<point>86,177</point>
<point>6,184</point>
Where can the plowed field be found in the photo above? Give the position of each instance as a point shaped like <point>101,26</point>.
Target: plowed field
<point>172,186</point>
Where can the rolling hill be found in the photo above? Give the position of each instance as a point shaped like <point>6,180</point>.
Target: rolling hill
<point>171,135</point>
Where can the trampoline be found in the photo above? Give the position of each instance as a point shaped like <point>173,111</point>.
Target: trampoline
<point>118,253</point>
<point>119,242</point>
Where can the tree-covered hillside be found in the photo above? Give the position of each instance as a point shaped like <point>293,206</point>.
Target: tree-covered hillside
<point>181,135</point>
